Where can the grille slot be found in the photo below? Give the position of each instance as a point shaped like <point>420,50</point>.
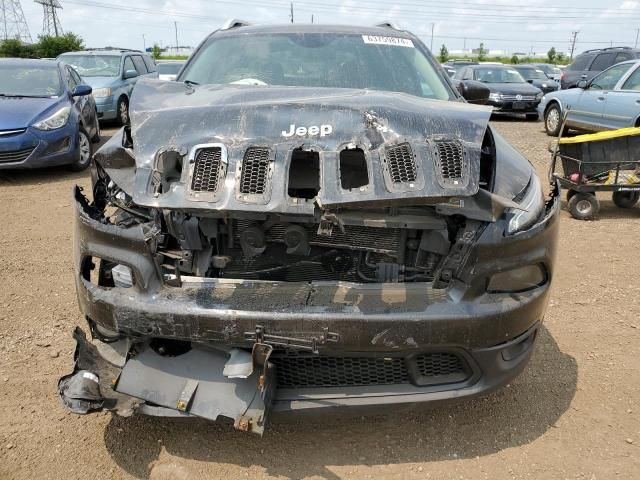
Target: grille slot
<point>208,170</point>
<point>15,156</point>
<point>317,371</point>
<point>255,169</point>
<point>449,160</point>
<point>401,164</point>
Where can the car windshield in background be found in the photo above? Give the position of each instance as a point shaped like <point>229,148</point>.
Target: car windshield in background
<point>319,60</point>
<point>169,68</point>
<point>19,81</point>
<point>498,75</point>
<point>532,74</point>
<point>94,65</point>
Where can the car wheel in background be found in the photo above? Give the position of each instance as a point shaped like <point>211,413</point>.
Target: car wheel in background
<point>584,206</point>
<point>123,111</point>
<point>553,120</point>
<point>625,199</point>
<point>532,116</point>
<point>96,137</point>
<point>85,151</point>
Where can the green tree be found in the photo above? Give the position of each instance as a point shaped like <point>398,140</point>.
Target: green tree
<point>444,54</point>
<point>11,47</point>
<point>51,47</point>
<point>552,55</point>
<point>560,58</point>
<point>514,59</point>
<point>482,53</point>
<point>156,52</point>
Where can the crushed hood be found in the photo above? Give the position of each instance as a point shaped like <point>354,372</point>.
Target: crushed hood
<point>178,117</point>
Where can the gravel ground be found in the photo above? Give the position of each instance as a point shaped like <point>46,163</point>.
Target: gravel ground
<point>573,414</point>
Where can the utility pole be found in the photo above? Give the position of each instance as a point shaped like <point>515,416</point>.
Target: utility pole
<point>465,44</point>
<point>175,24</point>
<point>144,42</point>
<point>291,12</point>
<point>637,34</point>
<point>573,44</point>
<point>312,18</point>
<point>432,27</point>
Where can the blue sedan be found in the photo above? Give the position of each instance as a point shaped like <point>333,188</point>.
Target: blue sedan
<point>47,116</point>
<point>609,101</point>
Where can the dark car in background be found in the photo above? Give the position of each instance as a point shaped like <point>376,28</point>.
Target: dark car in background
<point>537,78</point>
<point>168,69</point>
<point>452,66</point>
<point>552,71</point>
<point>331,227</point>
<point>47,115</point>
<point>510,92</point>
<point>590,63</point>
<point>112,73</point>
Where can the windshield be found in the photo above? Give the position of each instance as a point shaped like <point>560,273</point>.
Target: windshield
<point>94,65</point>
<point>550,70</point>
<point>20,81</point>
<point>498,75</point>
<point>169,68</point>
<point>532,74</point>
<point>318,60</point>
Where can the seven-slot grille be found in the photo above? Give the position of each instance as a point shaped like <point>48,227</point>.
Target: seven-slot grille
<point>401,163</point>
<point>449,159</point>
<point>317,371</point>
<point>15,155</point>
<point>208,170</point>
<point>513,98</point>
<point>255,169</point>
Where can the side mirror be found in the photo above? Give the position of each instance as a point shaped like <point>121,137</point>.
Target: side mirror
<point>530,81</point>
<point>81,91</point>
<point>473,92</point>
<point>130,74</point>
<point>583,84</point>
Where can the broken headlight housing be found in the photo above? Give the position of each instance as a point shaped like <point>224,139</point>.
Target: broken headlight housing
<point>532,205</point>
<point>55,121</point>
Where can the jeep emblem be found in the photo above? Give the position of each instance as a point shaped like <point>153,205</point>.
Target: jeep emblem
<point>313,130</point>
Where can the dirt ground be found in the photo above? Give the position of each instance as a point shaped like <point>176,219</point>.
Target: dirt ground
<point>573,414</point>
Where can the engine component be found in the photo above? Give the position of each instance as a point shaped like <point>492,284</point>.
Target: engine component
<point>296,239</point>
<point>252,241</point>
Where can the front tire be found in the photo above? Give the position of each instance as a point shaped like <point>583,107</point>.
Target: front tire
<point>584,206</point>
<point>553,120</point>
<point>625,199</point>
<point>85,152</point>
<point>123,111</point>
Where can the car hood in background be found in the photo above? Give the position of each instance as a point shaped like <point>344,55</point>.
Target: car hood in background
<point>513,88</point>
<point>99,82</point>
<point>21,112</point>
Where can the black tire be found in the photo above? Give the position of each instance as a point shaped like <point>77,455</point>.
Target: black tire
<point>85,152</point>
<point>96,137</point>
<point>553,120</point>
<point>625,199</point>
<point>584,206</point>
<point>122,113</point>
<point>532,116</point>
<point>570,193</point>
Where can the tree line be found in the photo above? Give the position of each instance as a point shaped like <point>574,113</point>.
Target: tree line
<point>46,47</point>
<point>552,56</point>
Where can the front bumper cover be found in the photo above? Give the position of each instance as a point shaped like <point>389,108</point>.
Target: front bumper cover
<point>494,332</point>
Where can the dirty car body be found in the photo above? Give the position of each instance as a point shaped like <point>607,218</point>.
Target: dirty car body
<point>271,244</point>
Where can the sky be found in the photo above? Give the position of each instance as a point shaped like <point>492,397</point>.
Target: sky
<point>510,25</point>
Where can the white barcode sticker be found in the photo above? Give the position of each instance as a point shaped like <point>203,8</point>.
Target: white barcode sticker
<point>395,41</point>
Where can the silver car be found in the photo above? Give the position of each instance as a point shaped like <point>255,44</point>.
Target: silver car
<point>609,101</point>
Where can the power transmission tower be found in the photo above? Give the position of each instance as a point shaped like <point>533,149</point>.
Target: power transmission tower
<point>51,23</point>
<point>12,22</point>
<point>573,44</point>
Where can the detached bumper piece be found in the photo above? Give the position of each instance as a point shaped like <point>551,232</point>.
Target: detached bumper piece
<point>192,383</point>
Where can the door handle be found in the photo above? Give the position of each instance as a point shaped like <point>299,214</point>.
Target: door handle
<point>601,99</point>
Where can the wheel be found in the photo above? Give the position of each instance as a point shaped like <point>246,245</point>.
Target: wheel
<point>625,199</point>
<point>570,193</point>
<point>123,111</point>
<point>553,120</point>
<point>584,206</point>
<point>85,152</point>
<point>532,116</point>
<point>96,137</point>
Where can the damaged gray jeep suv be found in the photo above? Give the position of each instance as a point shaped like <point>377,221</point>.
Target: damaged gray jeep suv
<point>311,218</point>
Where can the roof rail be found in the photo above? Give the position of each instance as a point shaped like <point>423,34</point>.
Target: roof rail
<point>607,48</point>
<point>234,23</point>
<point>388,24</point>
<point>111,49</point>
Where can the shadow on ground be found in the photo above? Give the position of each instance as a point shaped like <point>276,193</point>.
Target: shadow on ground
<point>514,416</point>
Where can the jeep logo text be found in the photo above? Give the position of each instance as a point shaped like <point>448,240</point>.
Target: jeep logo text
<point>313,130</point>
